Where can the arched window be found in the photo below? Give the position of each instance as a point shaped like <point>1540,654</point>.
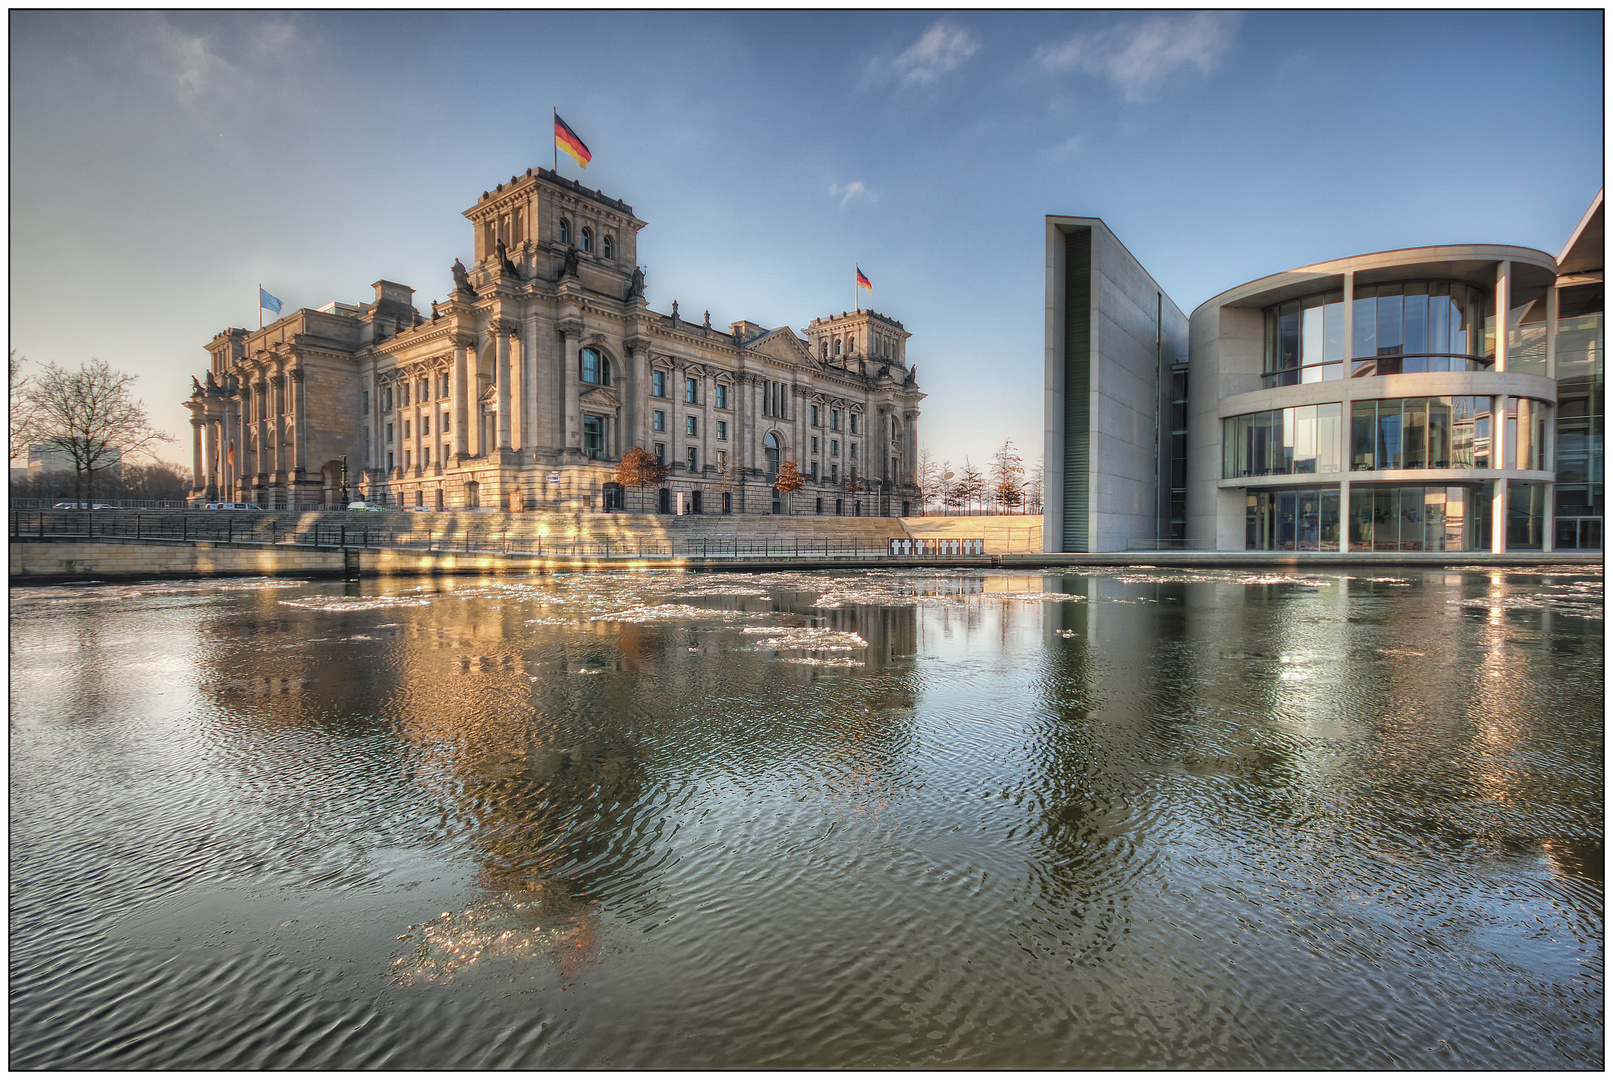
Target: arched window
<point>770,449</point>
<point>595,368</point>
<point>851,344</point>
<point>837,346</point>
<point>609,248</point>
<point>565,231</point>
<point>587,238</point>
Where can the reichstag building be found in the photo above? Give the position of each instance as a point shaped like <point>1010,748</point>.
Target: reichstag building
<point>543,366</point>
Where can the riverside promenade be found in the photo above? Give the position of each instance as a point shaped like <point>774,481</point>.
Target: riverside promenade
<point>62,546</point>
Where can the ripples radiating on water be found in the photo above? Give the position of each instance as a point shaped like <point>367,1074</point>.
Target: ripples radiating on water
<point>1141,819</point>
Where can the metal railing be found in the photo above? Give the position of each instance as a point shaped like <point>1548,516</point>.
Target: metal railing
<point>264,529</point>
<point>1366,366</point>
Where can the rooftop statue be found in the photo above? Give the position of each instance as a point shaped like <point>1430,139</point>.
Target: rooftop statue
<point>636,289</point>
<point>569,267</point>
<point>461,278</point>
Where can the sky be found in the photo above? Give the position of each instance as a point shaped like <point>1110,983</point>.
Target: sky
<point>164,164</point>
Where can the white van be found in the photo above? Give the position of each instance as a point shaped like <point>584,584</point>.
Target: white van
<point>234,506</point>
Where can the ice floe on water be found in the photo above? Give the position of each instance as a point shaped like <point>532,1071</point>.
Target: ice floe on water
<point>356,603</point>
<point>512,926</point>
<point>648,613</point>
<point>780,638</point>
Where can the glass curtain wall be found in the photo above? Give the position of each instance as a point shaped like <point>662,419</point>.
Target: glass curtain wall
<point>1581,417</point>
<point>1413,518</point>
<point>1411,327</point>
<point>1303,519</point>
<point>1277,442</point>
<point>1305,340</point>
<point>1526,516</point>
<point>1433,433</point>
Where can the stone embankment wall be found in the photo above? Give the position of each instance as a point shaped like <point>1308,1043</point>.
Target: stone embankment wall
<point>119,559</point>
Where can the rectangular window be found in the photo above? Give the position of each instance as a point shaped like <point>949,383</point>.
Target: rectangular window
<point>834,447</point>
<point>364,402</point>
<point>1363,421</point>
<point>722,430</point>
<point>816,421</point>
<point>691,459</point>
<point>425,455</point>
<point>386,399</point>
<point>366,446</point>
<point>444,428</point>
<point>691,391</point>
<point>722,461</point>
<point>425,426</point>
<point>406,459</point>
<point>814,440</point>
<point>660,453</point>
<point>814,472</point>
<point>593,437</point>
<point>403,395</point>
<point>425,390</point>
<point>389,465</point>
<point>854,423</point>
<point>447,450</point>
<point>691,426</point>
<point>1329,417</point>
<point>722,395</point>
<point>658,420</point>
<point>834,473</point>
<point>658,383</point>
<point>834,419</point>
<point>406,429</point>
<point>389,433</point>
<point>854,451</point>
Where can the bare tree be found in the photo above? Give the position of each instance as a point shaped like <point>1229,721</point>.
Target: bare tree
<point>90,416</point>
<point>969,485</point>
<point>23,430</point>
<point>1007,474</point>
<point>928,473</point>
<point>1033,487</point>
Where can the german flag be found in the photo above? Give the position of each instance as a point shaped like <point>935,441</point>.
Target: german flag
<point>863,282</point>
<point>567,140</point>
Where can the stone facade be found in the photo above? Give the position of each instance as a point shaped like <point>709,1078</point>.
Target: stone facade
<point>542,367</point>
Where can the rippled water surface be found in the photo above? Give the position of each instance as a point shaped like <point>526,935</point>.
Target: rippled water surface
<point>1147,819</point>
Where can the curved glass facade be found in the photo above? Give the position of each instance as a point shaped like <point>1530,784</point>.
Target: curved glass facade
<point>1417,518</point>
<point>1303,439</point>
<point>1404,327</point>
<point>1302,519</point>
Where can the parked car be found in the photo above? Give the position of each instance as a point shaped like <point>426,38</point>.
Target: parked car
<point>421,508</point>
<point>233,506</point>
<point>70,505</point>
<point>364,506</point>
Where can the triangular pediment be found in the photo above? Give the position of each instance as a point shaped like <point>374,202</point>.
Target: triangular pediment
<point>782,344</point>
<point>601,398</point>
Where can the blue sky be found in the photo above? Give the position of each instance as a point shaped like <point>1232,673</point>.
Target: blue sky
<point>162,164</point>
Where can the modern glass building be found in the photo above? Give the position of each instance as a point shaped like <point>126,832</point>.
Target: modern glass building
<point>1429,399</point>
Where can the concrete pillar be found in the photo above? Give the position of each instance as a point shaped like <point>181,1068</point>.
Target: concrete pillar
<point>1548,520</point>
<point>1344,513</point>
<point>501,342</point>
<point>1553,307</point>
<point>1498,518</point>
<point>195,451</point>
<point>1503,304</point>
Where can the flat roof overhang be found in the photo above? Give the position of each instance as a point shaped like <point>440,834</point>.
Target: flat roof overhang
<point>1532,272</point>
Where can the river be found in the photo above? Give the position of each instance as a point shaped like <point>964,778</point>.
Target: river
<point>1139,819</point>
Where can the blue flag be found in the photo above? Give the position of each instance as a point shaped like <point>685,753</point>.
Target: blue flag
<point>267,301</point>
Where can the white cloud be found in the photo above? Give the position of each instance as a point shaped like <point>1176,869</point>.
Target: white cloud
<point>941,49</point>
<point>854,190</point>
<point>1138,56</point>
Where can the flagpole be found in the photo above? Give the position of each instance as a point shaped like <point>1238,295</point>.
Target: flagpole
<point>260,305</point>
<point>555,115</point>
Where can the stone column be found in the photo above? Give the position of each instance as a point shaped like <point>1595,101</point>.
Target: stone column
<point>1344,513</point>
<point>570,358</point>
<point>206,480</point>
<point>419,444</point>
<point>501,360</point>
<point>457,402</point>
<point>196,451</point>
<point>299,437</point>
<point>519,392</point>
